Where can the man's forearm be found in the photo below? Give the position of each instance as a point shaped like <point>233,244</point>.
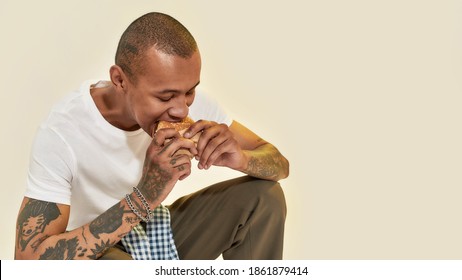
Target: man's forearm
<point>266,162</point>
<point>90,241</point>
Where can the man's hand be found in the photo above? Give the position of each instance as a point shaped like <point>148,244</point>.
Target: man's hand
<point>216,146</point>
<point>163,167</point>
<point>239,148</point>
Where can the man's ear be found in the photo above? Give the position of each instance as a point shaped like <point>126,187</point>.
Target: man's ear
<point>118,77</point>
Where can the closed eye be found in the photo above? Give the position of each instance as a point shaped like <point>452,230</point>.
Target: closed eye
<point>166,99</point>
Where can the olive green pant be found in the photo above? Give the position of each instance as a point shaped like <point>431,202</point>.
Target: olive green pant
<point>240,219</point>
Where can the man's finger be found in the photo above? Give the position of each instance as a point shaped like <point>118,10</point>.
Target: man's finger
<point>197,127</point>
<point>163,135</point>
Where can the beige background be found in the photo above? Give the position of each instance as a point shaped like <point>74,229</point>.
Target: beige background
<point>363,97</point>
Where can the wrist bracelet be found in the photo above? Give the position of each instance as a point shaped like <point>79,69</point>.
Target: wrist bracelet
<point>134,210</point>
<point>138,193</point>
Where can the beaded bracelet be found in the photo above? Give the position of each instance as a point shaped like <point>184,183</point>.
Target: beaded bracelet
<point>134,210</point>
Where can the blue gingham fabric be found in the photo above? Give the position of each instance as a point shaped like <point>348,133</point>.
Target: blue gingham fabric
<point>154,243</point>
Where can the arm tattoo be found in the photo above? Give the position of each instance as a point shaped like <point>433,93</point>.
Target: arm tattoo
<point>261,167</point>
<point>265,165</point>
<point>132,221</point>
<point>64,250</point>
<point>100,249</point>
<point>33,219</point>
<point>107,222</point>
<point>154,181</point>
<point>37,242</point>
<point>83,235</point>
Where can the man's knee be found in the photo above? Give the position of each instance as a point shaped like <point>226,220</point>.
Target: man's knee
<point>266,194</point>
<point>271,196</point>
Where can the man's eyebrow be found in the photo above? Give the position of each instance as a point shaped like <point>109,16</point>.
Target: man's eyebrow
<point>178,91</point>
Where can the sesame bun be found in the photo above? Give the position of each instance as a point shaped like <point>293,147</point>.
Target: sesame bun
<point>181,127</point>
<point>178,126</point>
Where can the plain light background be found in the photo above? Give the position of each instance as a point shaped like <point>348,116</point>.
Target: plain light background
<point>363,98</point>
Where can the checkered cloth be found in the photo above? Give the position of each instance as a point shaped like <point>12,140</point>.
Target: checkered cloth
<point>156,243</point>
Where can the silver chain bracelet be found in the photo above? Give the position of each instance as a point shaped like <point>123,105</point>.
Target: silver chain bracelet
<point>138,193</point>
<point>134,210</point>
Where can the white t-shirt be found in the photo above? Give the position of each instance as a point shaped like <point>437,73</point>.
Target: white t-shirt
<point>80,159</point>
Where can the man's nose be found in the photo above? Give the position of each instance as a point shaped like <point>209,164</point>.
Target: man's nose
<point>180,110</point>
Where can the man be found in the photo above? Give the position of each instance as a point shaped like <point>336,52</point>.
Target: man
<point>100,169</point>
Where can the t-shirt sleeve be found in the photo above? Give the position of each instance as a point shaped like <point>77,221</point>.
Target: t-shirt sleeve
<point>205,107</point>
<point>50,168</point>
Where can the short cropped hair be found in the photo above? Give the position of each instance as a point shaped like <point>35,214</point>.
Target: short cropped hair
<point>157,30</point>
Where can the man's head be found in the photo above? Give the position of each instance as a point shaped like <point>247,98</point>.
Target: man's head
<point>157,70</point>
<point>162,31</point>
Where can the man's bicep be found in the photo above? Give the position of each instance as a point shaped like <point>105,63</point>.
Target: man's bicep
<point>38,220</point>
<point>247,139</point>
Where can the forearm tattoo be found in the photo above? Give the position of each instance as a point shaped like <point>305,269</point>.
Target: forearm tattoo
<point>36,215</point>
<point>33,219</point>
<point>107,222</point>
<point>70,249</point>
<point>154,181</point>
<point>63,250</point>
<point>100,249</point>
<point>266,165</point>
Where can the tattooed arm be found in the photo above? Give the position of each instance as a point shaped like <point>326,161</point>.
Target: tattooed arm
<point>262,159</point>
<point>40,231</point>
<point>239,148</point>
<point>266,162</point>
<point>41,225</point>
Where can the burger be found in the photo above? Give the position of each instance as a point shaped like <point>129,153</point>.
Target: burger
<point>181,127</point>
